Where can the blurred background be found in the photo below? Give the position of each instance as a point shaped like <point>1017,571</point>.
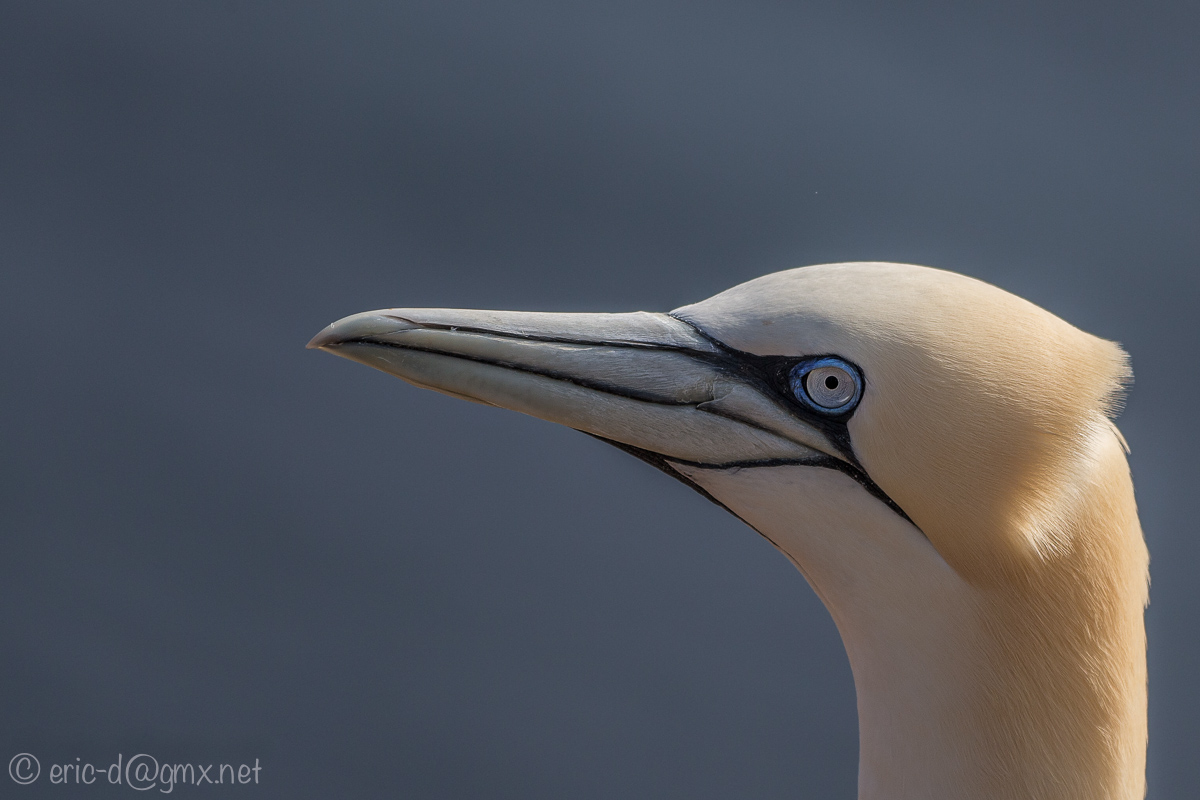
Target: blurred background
<point>218,546</point>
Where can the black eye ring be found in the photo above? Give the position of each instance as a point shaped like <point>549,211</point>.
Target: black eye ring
<point>829,385</point>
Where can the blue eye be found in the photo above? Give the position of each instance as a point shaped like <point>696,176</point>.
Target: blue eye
<point>829,385</point>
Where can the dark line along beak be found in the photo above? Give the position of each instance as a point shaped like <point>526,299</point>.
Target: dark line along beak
<point>649,383</point>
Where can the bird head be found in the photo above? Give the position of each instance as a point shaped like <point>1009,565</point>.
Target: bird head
<point>968,414</point>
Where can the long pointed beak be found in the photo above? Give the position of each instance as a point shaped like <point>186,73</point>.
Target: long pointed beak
<point>648,381</point>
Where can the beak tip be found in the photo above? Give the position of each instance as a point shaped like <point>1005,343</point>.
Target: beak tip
<point>359,326</point>
<point>324,339</point>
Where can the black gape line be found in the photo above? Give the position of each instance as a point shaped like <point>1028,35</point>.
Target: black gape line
<point>664,464</point>
<point>768,374</point>
<point>828,462</point>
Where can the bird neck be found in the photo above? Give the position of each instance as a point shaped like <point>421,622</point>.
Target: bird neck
<point>1033,685</point>
<point>999,699</point>
<point>1032,688</point>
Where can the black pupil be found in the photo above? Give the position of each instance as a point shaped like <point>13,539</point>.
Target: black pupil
<point>831,382</point>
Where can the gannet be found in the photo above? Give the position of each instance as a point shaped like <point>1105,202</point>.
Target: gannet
<point>935,455</point>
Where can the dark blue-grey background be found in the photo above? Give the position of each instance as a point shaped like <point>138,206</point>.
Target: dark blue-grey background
<point>219,546</point>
